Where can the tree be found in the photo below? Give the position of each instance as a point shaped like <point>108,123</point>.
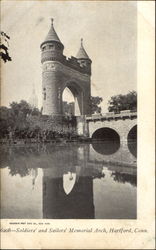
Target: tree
<point>23,108</point>
<point>4,44</point>
<point>35,111</point>
<point>123,102</point>
<point>68,108</point>
<point>20,112</point>
<point>15,117</point>
<point>6,120</point>
<point>95,102</point>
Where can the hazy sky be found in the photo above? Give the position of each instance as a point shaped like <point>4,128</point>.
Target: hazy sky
<point>109,30</point>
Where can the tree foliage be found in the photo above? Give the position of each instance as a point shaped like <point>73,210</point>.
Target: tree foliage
<point>68,108</point>
<point>95,102</point>
<point>123,102</point>
<point>4,44</point>
<point>14,117</point>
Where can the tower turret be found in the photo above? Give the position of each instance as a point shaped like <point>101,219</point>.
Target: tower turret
<point>58,72</point>
<point>52,48</point>
<point>52,53</point>
<point>83,57</point>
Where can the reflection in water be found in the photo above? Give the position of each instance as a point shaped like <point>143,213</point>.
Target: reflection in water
<point>34,173</point>
<point>77,204</point>
<point>106,141</point>
<point>123,178</point>
<point>66,181</point>
<point>69,182</point>
<point>132,146</point>
<point>105,148</point>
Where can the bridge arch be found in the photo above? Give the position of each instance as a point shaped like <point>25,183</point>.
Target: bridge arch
<point>106,134</point>
<point>105,141</point>
<point>132,140</point>
<point>132,135</point>
<point>121,126</point>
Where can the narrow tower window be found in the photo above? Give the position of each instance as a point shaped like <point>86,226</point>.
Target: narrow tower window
<point>44,93</point>
<point>51,46</point>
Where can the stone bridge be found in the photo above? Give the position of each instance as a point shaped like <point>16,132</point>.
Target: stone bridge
<point>121,126</point>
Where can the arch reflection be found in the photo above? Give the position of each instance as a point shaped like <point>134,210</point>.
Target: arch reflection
<point>77,204</point>
<point>68,182</point>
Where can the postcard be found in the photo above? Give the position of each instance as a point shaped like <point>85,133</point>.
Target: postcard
<point>77,124</point>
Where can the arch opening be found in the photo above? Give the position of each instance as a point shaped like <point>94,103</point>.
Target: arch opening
<point>132,140</point>
<point>105,141</point>
<point>72,100</point>
<point>68,102</point>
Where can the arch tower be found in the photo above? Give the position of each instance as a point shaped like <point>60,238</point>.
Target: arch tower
<point>58,72</point>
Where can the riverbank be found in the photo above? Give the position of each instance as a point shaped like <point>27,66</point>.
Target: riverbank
<point>36,141</point>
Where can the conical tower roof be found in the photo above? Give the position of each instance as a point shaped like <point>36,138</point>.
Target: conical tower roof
<point>52,35</point>
<point>82,54</point>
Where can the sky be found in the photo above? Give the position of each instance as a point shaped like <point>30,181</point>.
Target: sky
<point>109,32</point>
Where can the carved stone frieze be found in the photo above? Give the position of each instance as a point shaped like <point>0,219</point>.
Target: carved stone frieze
<point>49,66</point>
<point>69,72</point>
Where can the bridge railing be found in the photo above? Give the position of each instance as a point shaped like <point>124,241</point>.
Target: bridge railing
<point>113,115</point>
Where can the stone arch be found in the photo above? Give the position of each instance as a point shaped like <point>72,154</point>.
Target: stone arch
<point>132,134</point>
<point>105,141</point>
<point>106,134</point>
<point>94,126</point>
<point>132,140</point>
<point>78,94</point>
<point>122,127</point>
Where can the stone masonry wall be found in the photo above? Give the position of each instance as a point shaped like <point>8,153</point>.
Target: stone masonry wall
<point>122,127</point>
<point>56,77</point>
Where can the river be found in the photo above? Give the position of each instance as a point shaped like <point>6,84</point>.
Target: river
<point>69,180</point>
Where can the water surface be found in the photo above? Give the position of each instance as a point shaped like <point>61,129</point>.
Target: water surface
<point>68,180</point>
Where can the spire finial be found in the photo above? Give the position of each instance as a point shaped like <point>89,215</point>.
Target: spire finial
<point>81,41</point>
<point>52,20</point>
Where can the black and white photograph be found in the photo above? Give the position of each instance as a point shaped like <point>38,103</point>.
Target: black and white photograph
<point>68,114</point>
